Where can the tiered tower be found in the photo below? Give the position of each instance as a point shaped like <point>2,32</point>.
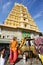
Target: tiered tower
<point>19,17</point>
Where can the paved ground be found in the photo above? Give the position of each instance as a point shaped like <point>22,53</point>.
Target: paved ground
<point>21,61</point>
<point>28,62</point>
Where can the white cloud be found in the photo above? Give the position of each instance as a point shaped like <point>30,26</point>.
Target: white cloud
<point>38,15</point>
<point>6,5</point>
<point>31,2</point>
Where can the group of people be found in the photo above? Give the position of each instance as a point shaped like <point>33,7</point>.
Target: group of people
<point>11,52</point>
<point>4,54</point>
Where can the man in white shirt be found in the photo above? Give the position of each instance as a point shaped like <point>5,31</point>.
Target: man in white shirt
<point>2,60</point>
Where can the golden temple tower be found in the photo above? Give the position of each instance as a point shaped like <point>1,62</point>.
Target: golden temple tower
<point>19,17</point>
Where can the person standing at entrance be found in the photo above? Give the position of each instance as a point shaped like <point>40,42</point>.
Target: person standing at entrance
<point>2,59</point>
<point>13,51</point>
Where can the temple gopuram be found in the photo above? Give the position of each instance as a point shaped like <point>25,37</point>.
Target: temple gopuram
<point>19,23</point>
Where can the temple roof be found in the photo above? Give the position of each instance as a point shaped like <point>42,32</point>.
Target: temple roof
<point>19,17</point>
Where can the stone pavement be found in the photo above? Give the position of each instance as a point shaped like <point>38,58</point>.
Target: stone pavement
<point>28,62</point>
<point>21,61</point>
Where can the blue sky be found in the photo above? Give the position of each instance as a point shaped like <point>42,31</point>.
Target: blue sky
<point>35,7</point>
